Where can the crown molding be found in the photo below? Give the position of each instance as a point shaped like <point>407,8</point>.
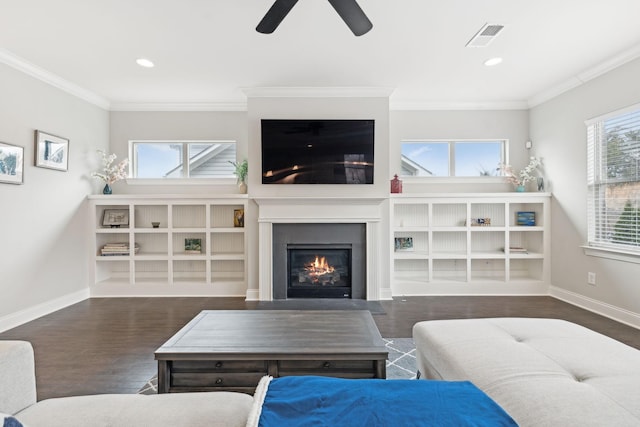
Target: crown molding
<point>20,64</point>
<point>179,106</point>
<point>401,105</point>
<point>34,71</point>
<point>585,76</point>
<point>317,92</point>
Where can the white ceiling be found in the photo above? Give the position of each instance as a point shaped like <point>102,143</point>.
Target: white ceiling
<point>207,51</point>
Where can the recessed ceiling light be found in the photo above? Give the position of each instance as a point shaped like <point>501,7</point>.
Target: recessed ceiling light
<point>493,61</point>
<point>143,62</point>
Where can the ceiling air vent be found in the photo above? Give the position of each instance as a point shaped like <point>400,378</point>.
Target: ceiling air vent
<point>485,36</point>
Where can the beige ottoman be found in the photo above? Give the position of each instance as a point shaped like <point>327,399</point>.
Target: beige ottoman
<point>543,372</point>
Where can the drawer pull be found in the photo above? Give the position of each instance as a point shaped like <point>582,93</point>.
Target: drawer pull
<point>326,365</point>
<point>219,381</point>
<point>218,364</point>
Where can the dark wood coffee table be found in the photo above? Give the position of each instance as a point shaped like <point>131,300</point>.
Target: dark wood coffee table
<point>232,350</point>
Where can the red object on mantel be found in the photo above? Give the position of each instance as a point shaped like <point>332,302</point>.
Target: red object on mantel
<point>396,185</point>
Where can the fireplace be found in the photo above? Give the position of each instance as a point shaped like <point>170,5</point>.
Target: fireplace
<point>303,219</point>
<point>319,271</point>
<point>339,270</point>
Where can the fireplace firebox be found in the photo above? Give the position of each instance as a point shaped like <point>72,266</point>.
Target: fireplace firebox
<point>319,271</point>
<point>349,242</point>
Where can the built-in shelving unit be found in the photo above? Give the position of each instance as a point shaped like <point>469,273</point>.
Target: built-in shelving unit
<point>469,243</point>
<point>162,265</point>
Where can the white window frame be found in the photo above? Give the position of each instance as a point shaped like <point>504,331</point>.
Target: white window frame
<point>185,180</point>
<point>456,179</point>
<point>596,244</point>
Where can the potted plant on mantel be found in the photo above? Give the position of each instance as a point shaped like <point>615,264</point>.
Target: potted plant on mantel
<point>241,171</point>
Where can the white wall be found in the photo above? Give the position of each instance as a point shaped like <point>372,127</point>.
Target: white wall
<point>558,133</point>
<point>512,125</point>
<point>376,108</point>
<point>243,127</point>
<point>43,242</point>
<point>44,253</point>
<point>126,126</point>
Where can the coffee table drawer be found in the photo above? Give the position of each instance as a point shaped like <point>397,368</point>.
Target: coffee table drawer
<point>290,367</point>
<point>219,366</point>
<point>215,380</point>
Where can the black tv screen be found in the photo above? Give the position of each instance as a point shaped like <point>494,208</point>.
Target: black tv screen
<point>317,151</point>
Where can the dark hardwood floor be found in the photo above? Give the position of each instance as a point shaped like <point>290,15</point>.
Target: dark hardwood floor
<point>106,345</point>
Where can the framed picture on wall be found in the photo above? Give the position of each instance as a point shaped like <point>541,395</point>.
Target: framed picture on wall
<point>52,152</point>
<point>11,163</point>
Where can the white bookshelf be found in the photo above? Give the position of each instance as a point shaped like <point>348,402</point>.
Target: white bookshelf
<point>453,255</point>
<point>161,266</point>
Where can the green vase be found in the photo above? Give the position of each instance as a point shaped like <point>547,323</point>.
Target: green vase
<point>107,189</point>
<point>520,188</point>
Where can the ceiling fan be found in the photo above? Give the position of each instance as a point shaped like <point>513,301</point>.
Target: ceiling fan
<point>349,11</point>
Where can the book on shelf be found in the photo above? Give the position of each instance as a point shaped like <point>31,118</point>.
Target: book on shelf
<point>518,249</point>
<point>116,245</point>
<point>114,249</point>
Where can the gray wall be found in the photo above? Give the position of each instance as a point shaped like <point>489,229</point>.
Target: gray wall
<point>558,133</point>
<point>43,244</point>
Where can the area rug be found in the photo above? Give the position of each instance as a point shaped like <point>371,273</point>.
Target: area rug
<point>401,363</point>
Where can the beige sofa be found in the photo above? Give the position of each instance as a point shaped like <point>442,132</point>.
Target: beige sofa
<point>543,372</point>
<point>18,398</point>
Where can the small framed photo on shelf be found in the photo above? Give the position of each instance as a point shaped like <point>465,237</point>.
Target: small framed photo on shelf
<point>52,152</point>
<point>403,244</point>
<point>193,246</point>
<point>480,222</point>
<point>238,217</point>
<point>11,163</point>
<point>115,218</point>
<point>526,218</point>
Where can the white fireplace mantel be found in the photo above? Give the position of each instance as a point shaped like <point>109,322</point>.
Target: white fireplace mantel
<point>319,210</point>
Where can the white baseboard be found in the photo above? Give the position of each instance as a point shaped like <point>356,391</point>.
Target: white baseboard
<point>386,294</point>
<point>616,313</point>
<point>253,295</point>
<point>28,314</point>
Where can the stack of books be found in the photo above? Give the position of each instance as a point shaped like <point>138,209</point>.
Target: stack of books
<point>518,249</point>
<point>115,249</point>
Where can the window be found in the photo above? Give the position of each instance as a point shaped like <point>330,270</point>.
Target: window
<point>613,179</point>
<point>182,159</point>
<point>472,158</point>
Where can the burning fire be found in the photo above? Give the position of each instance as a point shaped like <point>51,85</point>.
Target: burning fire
<point>318,267</point>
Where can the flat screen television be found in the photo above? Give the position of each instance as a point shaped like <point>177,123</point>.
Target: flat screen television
<point>317,151</point>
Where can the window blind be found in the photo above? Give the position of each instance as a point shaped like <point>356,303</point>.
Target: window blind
<point>613,181</point>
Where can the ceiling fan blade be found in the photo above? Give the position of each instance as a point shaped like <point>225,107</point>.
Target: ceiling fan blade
<point>275,15</point>
<point>352,15</point>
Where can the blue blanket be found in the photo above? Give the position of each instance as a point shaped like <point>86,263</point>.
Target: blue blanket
<point>334,402</point>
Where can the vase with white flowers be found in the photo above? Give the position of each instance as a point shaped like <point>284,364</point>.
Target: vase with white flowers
<point>520,179</point>
<point>111,173</point>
